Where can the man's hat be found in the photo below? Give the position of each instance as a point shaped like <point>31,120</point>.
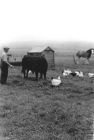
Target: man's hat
<point>6,48</point>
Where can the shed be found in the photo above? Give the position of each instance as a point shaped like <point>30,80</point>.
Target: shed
<point>48,52</point>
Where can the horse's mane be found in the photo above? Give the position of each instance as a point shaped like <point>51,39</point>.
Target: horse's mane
<point>85,54</point>
<point>89,50</point>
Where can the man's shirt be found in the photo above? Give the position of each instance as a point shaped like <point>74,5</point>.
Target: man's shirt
<point>4,57</point>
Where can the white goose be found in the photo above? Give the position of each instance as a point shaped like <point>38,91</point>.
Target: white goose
<point>81,74</point>
<point>66,72</point>
<point>90,75</point>
<point>56,82</point>
<point>77,73</point>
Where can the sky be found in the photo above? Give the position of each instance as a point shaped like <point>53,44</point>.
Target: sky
<point>46,20</point>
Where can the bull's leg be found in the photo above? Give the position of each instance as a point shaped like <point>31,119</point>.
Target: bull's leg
<point>36,75</point>
<point>23,71</point>
<point>32,72</point>
<point>27,73</point>
<point>24,74</point>
<point>40,75</point>
<point>44,75</point>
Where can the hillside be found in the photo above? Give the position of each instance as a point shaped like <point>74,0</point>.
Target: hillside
<point>61,48</point>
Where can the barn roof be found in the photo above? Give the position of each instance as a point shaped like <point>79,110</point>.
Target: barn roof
<point>40,49</point>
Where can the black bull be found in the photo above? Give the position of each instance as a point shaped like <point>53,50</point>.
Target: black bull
<point>35,64</point>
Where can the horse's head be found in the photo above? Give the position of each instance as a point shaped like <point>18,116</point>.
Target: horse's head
<point>92,51</point>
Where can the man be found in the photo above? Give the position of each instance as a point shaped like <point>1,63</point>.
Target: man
<point>4,65</point>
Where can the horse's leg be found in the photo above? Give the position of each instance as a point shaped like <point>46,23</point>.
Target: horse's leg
<point>87,61</point>
<point>74,60</point>
<point>78,61</point>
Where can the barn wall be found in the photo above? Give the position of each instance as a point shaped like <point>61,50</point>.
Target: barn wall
<point>49,55</point>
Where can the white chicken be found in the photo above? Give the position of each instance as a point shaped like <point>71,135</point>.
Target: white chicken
<point>77,73</point>
<point>81,74</point>
<point>66,72</point>
<point>56,82</point>
<point>91,75</point>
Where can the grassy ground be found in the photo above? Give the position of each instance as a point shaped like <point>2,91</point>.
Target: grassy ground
<point>35,111</point>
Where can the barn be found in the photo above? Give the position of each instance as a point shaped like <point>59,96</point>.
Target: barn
<point>48,52</point>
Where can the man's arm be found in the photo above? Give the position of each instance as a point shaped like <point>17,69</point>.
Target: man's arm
<point>9,64</point>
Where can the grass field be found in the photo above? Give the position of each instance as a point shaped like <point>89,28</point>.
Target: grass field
<point>32,110</point>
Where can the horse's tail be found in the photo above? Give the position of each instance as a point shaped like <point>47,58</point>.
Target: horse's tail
<point>75,62</point>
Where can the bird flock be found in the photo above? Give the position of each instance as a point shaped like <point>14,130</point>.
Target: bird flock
<point>67,72</point>
<point>75,73</point>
